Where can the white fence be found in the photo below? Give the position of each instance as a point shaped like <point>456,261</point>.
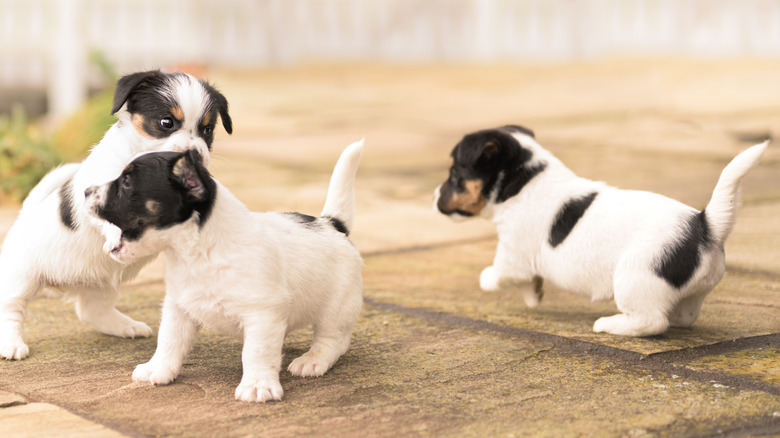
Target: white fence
<point>45,43</point>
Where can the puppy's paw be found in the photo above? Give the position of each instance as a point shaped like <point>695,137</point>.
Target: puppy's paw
<point>308,366</point>
<point>113,236</point>
<point>488,280</point>
<point>259,390</point>
<point>134,329</point>
<point>154,374</point>
<point>14,350</point>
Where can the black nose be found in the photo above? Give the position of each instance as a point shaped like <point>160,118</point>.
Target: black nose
<point>90,191</point>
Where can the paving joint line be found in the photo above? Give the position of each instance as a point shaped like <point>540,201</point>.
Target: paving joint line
<point>660,362</point>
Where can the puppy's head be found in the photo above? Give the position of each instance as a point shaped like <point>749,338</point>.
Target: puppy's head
<point>488,167</point>
<point>169,111</point>
<point>155,193</point>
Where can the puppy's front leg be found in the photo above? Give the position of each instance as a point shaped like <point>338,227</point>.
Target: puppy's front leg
<point>262,359</point>
<point>504,273</point>
<point>177,334</point>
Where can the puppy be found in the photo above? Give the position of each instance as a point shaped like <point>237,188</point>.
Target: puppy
<point>253,275</point>
<point>55,243</point>
<point>657,257</point>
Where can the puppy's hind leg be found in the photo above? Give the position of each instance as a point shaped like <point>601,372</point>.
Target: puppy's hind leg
<point>332,334</point>
<point>97,308</point>
<point>644,300</point>
<point>687,311</point>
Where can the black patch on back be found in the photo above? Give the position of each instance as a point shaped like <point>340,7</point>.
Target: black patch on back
<point>339,226</point>
<point>568,216</point>
<point>312,222</point>
<point>681,258</point>
<point>302,218</point>
<point>66,205</point>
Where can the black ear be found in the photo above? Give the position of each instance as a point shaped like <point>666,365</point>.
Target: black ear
<point>129,83</point>
<point>222,106</point>
<point>191,175</point>
<point>480,146</point>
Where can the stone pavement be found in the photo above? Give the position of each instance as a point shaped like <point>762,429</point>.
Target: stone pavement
<point>432,354</point>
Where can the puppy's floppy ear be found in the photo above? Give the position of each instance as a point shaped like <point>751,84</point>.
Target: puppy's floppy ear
<point>477,147</point>
<point>222,106</point>
<point>189,172</point>
<point>127,84</point>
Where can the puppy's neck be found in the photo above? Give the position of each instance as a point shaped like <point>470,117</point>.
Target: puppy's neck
<point>221,230</point>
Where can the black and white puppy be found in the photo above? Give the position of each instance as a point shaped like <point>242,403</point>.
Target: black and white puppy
<point>657,257</point>
<point>54,242</point>
<point>257,276</point>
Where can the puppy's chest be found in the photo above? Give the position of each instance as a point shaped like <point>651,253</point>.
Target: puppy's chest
<point>209,307</point>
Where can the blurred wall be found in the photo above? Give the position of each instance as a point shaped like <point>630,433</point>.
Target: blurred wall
<point>45,44</point>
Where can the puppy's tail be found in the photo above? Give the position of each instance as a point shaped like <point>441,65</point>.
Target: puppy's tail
<point>340,203</point>
<point>721,212</point>
<point>51,182</point>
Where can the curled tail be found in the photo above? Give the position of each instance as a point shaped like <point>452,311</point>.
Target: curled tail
<point>721,212</point>
<point>340,203</point>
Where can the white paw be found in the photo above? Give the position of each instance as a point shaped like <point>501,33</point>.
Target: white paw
<point>133,329</point>
<point>488,280</point>
<point>308,366</point>
<point>603,325</point>
<point>532,298</point>
<point>113,236</point>
<point>259,390</point>
<point>154,374</point>
<point>14,351</point>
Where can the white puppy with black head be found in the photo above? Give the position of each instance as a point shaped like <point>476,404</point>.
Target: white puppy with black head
<point>253,275</point>
<point>54,242</point>
<point>657,257</point>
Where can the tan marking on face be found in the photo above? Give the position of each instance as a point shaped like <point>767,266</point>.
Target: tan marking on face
<point>153,207</point>
<point>470,200</point>
<point>138,123</point>
<point>206,119</point>
<point>178,113</point>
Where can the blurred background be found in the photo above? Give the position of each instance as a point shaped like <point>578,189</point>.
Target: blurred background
<point>59,59</point>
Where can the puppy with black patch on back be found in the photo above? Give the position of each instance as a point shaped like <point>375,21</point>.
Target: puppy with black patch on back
<point>54,242</point>
<point>657,257</point>
<point>257,276</point>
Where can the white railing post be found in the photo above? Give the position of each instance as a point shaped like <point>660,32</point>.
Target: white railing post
<point>67,87</point>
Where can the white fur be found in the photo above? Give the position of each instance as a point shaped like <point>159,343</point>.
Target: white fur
<point>40,251</point>
<point>612,249</point>
<point>258,276</point>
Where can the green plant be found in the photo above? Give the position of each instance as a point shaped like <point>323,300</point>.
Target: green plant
<point>26,156</point>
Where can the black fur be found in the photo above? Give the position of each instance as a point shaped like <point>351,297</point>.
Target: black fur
<point>485,155</point>
<point>150,177</point>
<point>127,84</point>
<point>339,226</point>
<point>568,216</point>
<point>311,222</point>
<point>681,259</point>
<point>66,205</point>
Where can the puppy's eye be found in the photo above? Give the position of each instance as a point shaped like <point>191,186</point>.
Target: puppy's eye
<point>207,130</point>
<point>166,123</point>
<point>126,183</point>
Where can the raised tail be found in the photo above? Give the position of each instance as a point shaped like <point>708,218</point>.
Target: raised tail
<point>721,212</point>
<point>340,203</point>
